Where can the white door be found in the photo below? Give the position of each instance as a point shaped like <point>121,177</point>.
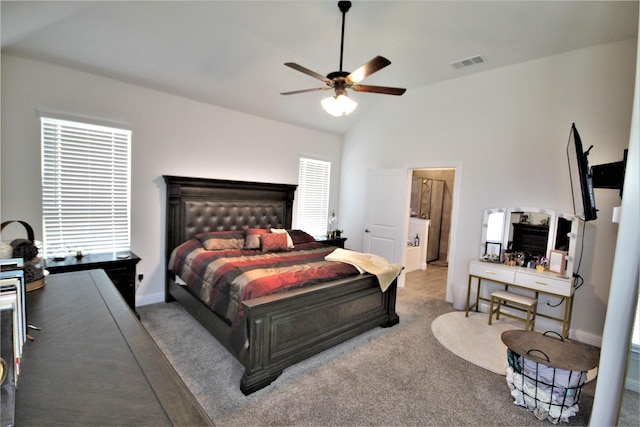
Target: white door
<point>386,213</point>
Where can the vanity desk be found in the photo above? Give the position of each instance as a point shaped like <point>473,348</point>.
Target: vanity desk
<point>527,237</point>
<point>528,279</point>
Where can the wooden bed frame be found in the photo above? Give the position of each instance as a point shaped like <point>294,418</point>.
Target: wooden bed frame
<point>286,327</point>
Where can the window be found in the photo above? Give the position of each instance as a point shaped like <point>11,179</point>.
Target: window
<point>313,196</point>
<point>85,187</point>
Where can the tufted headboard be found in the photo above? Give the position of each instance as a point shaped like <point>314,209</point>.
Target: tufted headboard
<point>196,205</point>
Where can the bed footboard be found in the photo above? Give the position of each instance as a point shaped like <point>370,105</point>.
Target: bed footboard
<point>284,331</point>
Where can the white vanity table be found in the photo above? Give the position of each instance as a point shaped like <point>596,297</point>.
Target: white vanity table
<point>528,279</point>
<point>498,231</point>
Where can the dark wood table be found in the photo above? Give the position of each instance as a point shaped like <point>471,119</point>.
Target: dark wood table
<point>119,266</point>
<point>333,241</point>
<point>93,362</point>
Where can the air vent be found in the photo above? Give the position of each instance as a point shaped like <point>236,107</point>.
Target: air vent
<point>468,62</point>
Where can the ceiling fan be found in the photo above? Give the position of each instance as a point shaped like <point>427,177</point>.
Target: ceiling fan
<point>340,81</point>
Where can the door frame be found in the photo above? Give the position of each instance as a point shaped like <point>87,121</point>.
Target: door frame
<point>457,167</point>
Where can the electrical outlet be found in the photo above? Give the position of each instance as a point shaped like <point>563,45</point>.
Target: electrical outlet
<point>140,277</point>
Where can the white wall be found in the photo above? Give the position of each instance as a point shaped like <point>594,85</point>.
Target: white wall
<point>171,136</point>
<point>506,130</point>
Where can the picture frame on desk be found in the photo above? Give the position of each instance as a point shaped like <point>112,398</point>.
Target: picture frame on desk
<point>493,251</point>
<point>557,261</point>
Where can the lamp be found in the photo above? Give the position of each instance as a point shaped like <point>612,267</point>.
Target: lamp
<point>332,220</point>
<point>340,104</point>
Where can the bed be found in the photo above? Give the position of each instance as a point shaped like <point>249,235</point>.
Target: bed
<point>283,328</point>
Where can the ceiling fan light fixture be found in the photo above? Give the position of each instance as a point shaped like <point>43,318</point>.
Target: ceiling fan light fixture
<point>339,105</point>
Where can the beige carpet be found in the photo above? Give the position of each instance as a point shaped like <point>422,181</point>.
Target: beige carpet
<point>474,340</point>
<point>387,376</point>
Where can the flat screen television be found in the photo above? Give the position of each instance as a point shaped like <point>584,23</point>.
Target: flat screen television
<point>584,202</point>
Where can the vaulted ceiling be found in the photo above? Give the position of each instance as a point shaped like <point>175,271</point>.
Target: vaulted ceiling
<point>231,53</point>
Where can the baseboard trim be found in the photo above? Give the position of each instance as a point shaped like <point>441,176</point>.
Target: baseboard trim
<point>633,375</point>
<point>585,337</point>
<point>149,299</point>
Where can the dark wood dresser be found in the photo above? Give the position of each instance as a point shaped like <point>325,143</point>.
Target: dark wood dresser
<point>119,266</point>
<point>93,363</point>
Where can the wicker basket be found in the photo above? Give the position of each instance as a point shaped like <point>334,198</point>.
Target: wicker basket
<point>546,374</point>
<point>27,249</point>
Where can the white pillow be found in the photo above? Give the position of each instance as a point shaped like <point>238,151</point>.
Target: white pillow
<point>289,239</point>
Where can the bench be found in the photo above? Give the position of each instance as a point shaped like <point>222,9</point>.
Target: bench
<point>525,304</point>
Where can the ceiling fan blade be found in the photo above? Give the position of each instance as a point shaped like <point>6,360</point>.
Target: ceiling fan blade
<point>376,64</point>
<point>379,89</point>
<point>295,92</point>
<point>307,72</point>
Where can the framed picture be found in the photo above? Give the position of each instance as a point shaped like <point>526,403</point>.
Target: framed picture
<point>493,250</point>
<point>557,261</point>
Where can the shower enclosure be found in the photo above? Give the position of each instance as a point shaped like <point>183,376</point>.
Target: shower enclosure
<point>427,202</point>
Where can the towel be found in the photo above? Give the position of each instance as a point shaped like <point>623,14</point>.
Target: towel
<point>374,264</point>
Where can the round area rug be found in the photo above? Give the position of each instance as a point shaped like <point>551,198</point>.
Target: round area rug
<point>473,339</point>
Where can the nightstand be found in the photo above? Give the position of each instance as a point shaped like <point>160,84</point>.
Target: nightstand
<point>336,241</point>
<point>119,266</point>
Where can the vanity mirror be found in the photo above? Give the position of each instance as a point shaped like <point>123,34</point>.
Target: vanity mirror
<point>530,234</point>
<point>492,234</point>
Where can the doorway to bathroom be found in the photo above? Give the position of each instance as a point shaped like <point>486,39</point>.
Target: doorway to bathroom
<point>430,217</point>
<point>432,201</point>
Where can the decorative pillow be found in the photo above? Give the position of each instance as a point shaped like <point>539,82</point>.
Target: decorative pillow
<point>274,242</point>
<point>298,237</point>
<point>283,231</point>
<point>221,240</point>
<point>253,239</point>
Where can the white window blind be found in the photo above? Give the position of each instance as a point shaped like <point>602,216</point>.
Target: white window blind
<point>313,196</point>
<point>85,187</point>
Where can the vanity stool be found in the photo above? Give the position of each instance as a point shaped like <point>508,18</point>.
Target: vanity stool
<point>528,304</point>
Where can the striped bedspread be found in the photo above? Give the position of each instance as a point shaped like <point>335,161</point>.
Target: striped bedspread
<point>222,279</point>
